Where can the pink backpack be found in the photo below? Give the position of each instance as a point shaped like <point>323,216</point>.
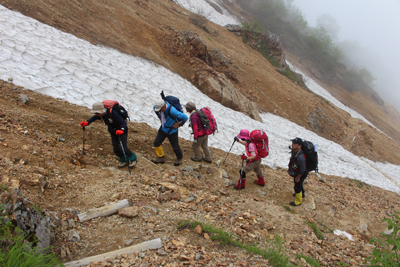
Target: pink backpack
<point>207,120</point>
<point>113,104</point>
<point>260,139</point>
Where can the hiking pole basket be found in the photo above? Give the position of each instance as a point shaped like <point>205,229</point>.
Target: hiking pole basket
<point>83,142</point>
<point>229,151</point>
<point>126,158</point>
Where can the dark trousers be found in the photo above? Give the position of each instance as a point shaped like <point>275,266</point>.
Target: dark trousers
<point>117,145</point>
<point>173,139</point>
<point>298,187</point>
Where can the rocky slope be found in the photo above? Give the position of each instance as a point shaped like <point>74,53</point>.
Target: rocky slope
<point>40,148</point>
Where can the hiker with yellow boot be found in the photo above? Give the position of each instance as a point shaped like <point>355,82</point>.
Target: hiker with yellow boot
<point>171,118</point>
<point>298,170</point>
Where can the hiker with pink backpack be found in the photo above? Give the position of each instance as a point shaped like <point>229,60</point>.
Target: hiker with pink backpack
<point>203,124</point>
<point>256,144</point>
<point>114,116</point>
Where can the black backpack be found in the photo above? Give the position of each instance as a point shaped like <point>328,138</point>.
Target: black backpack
<point>114,105</point>
<point>311,155</point>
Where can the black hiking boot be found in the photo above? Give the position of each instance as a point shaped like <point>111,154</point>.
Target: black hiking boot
<point>178,162</point>
<point>158,160</point>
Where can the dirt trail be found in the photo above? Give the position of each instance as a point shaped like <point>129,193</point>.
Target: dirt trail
<point>32,147</point>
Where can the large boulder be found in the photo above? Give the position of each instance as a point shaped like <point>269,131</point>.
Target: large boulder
<point>274,45</point>
<point>190,44</point>
<point>211,73</point>
<point>219,88</point>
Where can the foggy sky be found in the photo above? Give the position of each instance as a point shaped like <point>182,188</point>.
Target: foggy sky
<point>376,26</point>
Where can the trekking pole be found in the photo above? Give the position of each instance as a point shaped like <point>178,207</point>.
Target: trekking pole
<point>126,158</point>
<point>229,151</point>
<point>83,143</point>
<point>241,174</point>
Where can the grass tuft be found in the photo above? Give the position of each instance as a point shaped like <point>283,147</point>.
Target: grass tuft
<point>273,251</point>
<point>359,183</point>
<point>309,260</point>
<point>317,232</point>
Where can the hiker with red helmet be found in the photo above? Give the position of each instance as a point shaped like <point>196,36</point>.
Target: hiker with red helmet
<point>253,160</point>
<point>199,135</point>
<point>118,129</point>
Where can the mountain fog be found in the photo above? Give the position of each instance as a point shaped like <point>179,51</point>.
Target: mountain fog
<point>368,33</point>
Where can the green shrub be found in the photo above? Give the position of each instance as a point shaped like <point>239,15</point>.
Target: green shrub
<point>293,76</point>
<point>387,250</point>
<point>16,251</point>
<point>254,25</point>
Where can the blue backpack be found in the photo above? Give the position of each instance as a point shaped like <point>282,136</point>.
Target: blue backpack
<point>173,101</point>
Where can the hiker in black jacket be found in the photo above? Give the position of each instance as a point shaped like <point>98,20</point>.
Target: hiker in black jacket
<point>118,129</point>
<point>298,170</point>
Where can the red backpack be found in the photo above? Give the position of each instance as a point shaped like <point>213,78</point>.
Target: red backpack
<point>207,120</point>
<point>113,104</point>
<point>260,139</point>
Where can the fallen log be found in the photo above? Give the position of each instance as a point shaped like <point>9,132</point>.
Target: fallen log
<point>103,211</point>
<point>152,244</point>
<point>155,165</point>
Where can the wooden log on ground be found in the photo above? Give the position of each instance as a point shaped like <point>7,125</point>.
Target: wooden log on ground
<point>155,165</point>
<point>152,244</point>
<point>103,211</point>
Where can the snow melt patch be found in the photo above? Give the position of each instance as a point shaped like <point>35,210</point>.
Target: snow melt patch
<point>203,8</point>
<point>338,232</point>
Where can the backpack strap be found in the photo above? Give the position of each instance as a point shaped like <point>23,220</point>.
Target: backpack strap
<point>168,111</point>
<point>191,114</point>
<point>109,112</point>
<point>256,151</point>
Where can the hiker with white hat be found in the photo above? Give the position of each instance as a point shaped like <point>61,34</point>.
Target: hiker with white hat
<point>171,119</point>
<point>118,129</point>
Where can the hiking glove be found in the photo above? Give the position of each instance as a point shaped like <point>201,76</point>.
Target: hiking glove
<point>195,141</point>
<point>244,157</point>
<point>84,123</point>
<point>119,132</point>
<point>236,139</point>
